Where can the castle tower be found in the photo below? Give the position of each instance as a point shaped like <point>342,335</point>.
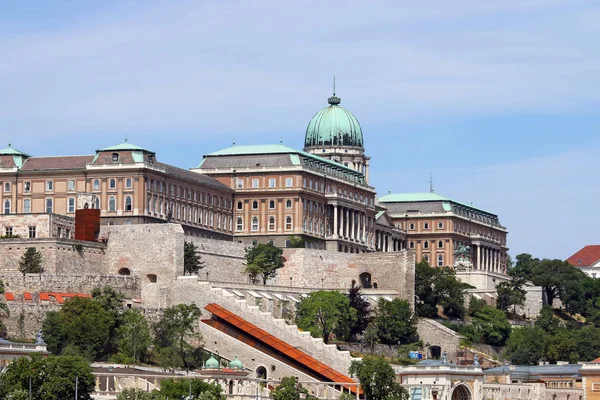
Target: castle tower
<point>335,133</point>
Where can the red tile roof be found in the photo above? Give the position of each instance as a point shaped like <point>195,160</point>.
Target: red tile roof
<point>585,257</point>
<point>273,342</point>
<point>61,162</point>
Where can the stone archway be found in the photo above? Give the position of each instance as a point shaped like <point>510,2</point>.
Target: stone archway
<point>365,280</point>
<point>124,271</point>
<point>461,392</point>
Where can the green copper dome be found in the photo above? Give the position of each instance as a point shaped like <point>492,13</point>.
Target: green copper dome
<point>236,364</point>
<point>333,126</point>
<point>211,363</point>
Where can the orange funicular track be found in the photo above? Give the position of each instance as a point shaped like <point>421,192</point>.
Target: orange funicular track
<point>237,327</point>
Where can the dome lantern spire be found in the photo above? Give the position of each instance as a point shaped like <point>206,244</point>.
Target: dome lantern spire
<point>334,100</point>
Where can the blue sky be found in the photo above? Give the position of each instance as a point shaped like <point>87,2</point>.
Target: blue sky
<point>497,100</point>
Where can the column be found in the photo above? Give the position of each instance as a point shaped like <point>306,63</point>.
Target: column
<point>478,266</point>
<point>335,221</point>
<point>347,224</point>
<point>351,235</point>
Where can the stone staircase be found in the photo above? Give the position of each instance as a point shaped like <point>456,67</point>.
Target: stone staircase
<point>205,293</point>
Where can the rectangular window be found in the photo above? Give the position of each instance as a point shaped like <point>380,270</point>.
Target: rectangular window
<point>32,232</point>
<point>272,182</point>
<point>26,206</point>
<point>440,225</point>
<point>7,187</point>
<point>71,184</point>
<point>426,225</point>
<point>49,207</point>
<point>289,182</point>
<point>71,205</point>
<point>254,183</point>
<point>239,184</point>
<point>8,230</point>
<point>49,186</point>
<point>27,187</point>
<point>411,227</point>
<point>129,184</point>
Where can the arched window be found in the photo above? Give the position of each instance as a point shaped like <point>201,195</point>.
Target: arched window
<point>7,187</point>
<point>6,206</point>
<point>310,225</point>
<point>304,224</point>
<point>288,204</point>
<point>271,223</point>
<point>96,184</point>
<point>272,204</point>
<point>425,244</point>
<point>128,203</point>
<point>255,205</point>
<point>426,258</point>
<point>124,271</point>
<point>239,224</point>
<point>288,223</point>
<point>411,245</point>
<point>97,203</point>
<point>115,157</point>
<point>440,261</point>
<point>112,203</point>
<point>240,205</point>
<point>128,183</point>
<point>112,183</point>
<point>440,244</point>
<point>255,225</point>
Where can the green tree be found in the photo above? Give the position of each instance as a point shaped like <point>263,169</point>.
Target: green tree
<point>290,389</point>
<point>395,322</point>
<point>526,345</point>
<point>426,298</point>
<point>134,394</point>
<point>362,308</point>
<point>263,261</point>
<point>177,327</point>
<point>181,388</point>
<point>31,262</point>
<point>562,346</point>
<point>438,286</point>
<point>192,261</point>
<point>371,336</point>
<point>325,312</point>
<point>524,266</point>
<point>492,326</point>
<point>475,305</point>
<point>510,293</point>
<point>4,312</point>
<point>297,242</point>
<point>377,379</point>
<point>547,321</point>
<point>133,336</point>
<point>556,277</point>
<point>112,301</point>
<point>51,378</point>
<point>81,324</point>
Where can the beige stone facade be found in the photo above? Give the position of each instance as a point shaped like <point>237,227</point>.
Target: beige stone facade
<point>436,227</point>
<point>125,182</point>
<point>34,226</point>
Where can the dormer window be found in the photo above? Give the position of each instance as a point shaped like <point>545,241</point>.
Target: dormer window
<point>115,157</point>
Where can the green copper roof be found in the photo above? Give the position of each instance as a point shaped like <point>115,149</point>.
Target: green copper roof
<point>125,146</point>
<point>411,197</point>
<point>425,196</point>
<point>11,151</point>
<point>236,364</point>
<point>211,363</point>
<point>277,149</point>
<point>333,126</point>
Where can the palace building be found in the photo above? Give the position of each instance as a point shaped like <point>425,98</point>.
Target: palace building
<point>257,193</point>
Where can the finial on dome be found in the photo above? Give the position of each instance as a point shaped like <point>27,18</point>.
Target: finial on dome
<point>334,100</point>
<point>280,140</point>
<point>125,138</point>
<point>234,142</point>
<point>9,144</point>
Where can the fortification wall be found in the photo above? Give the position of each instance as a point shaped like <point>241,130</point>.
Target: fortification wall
<point>435,334</point>
<point>58,255</point>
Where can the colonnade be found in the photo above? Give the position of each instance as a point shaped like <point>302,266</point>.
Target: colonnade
<point>489,259</point>
<point>353,225</point>
<point>386,242</point>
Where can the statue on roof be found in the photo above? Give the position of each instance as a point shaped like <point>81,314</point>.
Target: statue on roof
<point>462,258</point>
<point>39,338</point>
